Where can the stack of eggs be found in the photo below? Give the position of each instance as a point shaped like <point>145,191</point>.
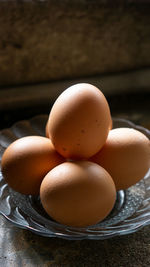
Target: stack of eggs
<point>81,163</point>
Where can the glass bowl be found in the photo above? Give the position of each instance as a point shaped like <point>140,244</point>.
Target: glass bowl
<point>130,213</point>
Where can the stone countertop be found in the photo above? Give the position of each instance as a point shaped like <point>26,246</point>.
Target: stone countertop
<point>22,248</point>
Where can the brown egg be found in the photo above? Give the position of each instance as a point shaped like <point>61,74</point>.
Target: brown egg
<point>79,121</point>
<point>125,155</point>
<point>111,125</point>
<point>26,161</point>
<point>78,194</point>
<point>46,130</point>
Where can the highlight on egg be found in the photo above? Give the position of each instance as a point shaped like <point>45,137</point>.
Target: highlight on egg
<point>78,193</point>
<point>125,155</point>
<point>26,161</point>
<point>79,121</point>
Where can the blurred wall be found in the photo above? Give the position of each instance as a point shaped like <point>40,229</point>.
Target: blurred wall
<point>42,41</point>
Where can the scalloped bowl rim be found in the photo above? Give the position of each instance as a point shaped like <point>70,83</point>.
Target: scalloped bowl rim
<point>81,235</point>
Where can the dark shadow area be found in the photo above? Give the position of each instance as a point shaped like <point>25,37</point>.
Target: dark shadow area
<point>120,105</point>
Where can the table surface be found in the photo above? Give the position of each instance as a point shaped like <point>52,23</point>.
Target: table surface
<point>23,248</point>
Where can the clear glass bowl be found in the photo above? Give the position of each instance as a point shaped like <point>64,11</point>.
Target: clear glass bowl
<point>130,213</point>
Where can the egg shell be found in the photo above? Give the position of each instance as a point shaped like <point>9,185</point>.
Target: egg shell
<point>26,161</point>
<point>79,121</point>
<point>78,193</point>
<point>46,130</point>
<point>125,155</point>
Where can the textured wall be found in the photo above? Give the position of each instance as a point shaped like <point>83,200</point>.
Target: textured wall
<point>52,40</point>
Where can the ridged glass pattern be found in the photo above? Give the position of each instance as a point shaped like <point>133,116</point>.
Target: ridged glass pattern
<point>130,213</point>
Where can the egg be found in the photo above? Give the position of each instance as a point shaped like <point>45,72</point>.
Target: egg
<point>46,130</point>
<point>26,161</point>
<point>125,155</point>
<point>78,193</point>
<point>79,121</point>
